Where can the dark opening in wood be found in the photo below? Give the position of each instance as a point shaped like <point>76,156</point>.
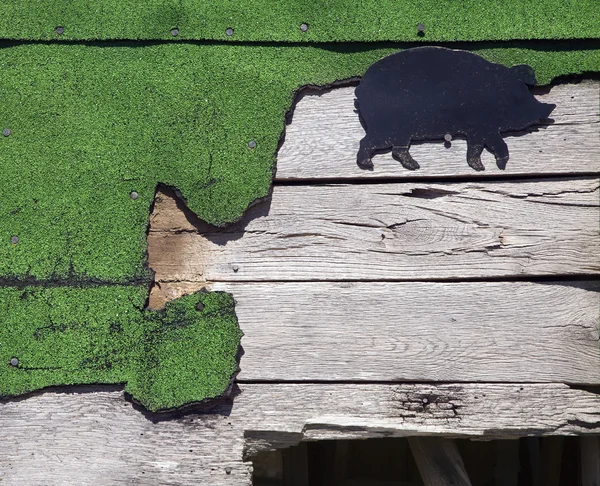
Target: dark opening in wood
<point>532,461</point>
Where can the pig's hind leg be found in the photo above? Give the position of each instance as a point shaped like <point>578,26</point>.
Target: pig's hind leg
<point>402,155</point>
<point>498,147</point>
<point>365,153</point>
<point>474,150</point>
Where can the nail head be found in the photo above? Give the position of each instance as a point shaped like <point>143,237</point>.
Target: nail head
<point>425,401</point>
<point>252,144</point>
<point>60,30</point>
<point>228,470</point>
<point>175,32</point>
<point>421,27</point>
<point>304,27</point>
<point>448,137</point>
<point>235,268</point>
<point>229,31</point>
<point>134,195</point>
<point>14,362</point>
<point>199,306</point>
<point>14,240</point>
<point>6,132</point>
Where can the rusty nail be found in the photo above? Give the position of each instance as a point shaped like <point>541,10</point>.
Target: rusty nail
<point>134,195</point>
<point>175,32</point>
<point>229,31</point>
<point>304,27</point>
<point>14,362</point>
<point>6,132</point>
<point>60,30</point>
<point>14,240</point>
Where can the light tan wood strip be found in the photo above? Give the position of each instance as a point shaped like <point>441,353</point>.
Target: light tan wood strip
<point>97,438</point>
<point>322,141</point>
<point>439,461</point>
<point>389,231</point>
<point>483,331</point>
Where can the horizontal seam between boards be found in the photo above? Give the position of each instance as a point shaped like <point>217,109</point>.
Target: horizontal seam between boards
<point>383,180</point>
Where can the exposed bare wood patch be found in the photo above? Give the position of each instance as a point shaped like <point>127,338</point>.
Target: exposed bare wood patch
<point>96,437</point>
<point>390,232</point>
<point>322,141</point>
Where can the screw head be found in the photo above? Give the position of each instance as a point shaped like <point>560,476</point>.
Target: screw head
<point>14,362</point>
<point>421,27</point>
<point>14,240</point>
<point>60,30</point>
<point>252,144</point>
<point>229,32</point>
<point>134,195</point>
<point>448,137</point>
<point>303,27</point>
<point>6,132</point>
<point>175,32</point>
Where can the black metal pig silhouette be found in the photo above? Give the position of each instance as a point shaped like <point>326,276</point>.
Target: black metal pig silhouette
<point>427,93</point>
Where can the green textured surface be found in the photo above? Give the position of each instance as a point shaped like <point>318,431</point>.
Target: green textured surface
<point>68,336</point>
<point>332,20</point>
<point>90,124</point>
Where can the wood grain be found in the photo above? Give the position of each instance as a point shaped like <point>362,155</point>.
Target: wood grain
<point>322,141</point>
<point>391,232</point>
<point>97,438</point>
<point>499,332</point>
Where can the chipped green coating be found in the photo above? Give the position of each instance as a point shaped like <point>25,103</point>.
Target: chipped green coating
<point>102,334</point>
<point>280,20</point>
<point>92,123</point>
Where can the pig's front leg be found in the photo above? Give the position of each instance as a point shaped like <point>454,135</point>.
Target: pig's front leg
<point>498,147</point>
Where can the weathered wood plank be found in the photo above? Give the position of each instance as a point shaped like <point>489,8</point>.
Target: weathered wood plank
<point>502,332</point>
<point>439,461</point>
<point>392,232</point>
<point>97,438</point>
<point>322,141</point>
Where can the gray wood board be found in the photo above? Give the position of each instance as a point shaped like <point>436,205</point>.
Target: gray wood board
<point>498,332</point>
<point>97,438</point>
<point>409,231</point>
<point>322,141</point>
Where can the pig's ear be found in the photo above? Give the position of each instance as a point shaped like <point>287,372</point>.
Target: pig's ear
<point>524,73</point>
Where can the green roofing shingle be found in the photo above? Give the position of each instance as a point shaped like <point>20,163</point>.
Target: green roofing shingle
<point>328,20</point>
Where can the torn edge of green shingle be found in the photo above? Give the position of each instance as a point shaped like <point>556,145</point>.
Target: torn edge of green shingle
<point>301,21</point>
<point>186,355</point>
